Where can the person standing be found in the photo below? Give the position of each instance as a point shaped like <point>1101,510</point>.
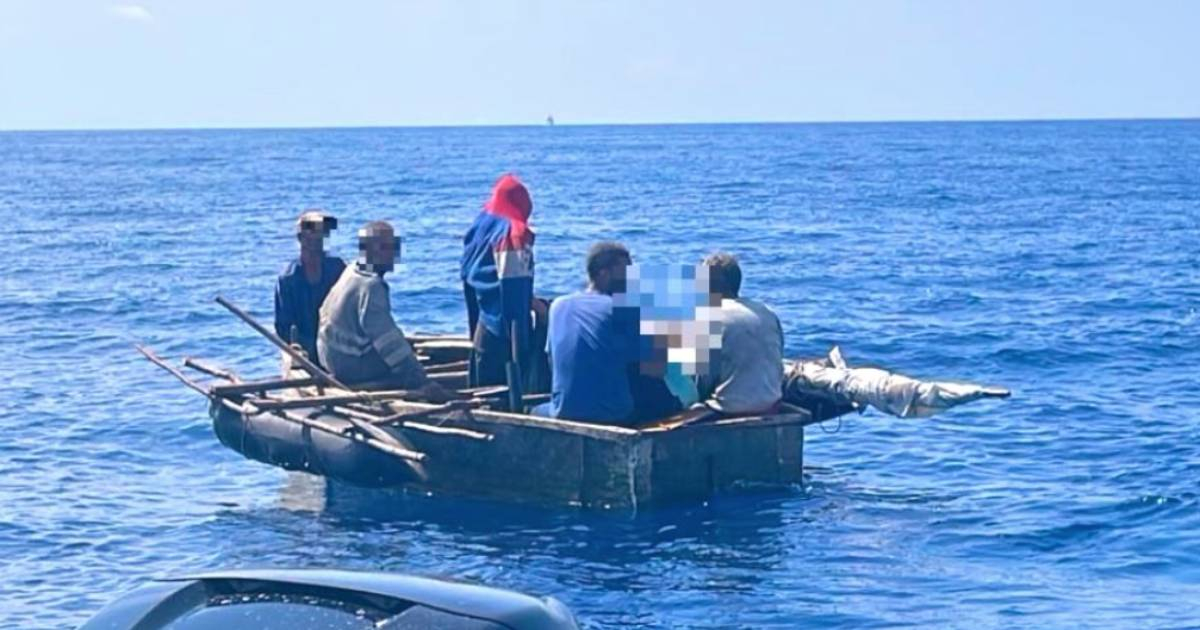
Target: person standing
<point>497,276</point>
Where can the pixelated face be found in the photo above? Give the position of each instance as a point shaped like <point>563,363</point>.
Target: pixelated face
<point>312,229</point>
<point>378,249</point>
<point>676,311</point>
<point>714,297</point>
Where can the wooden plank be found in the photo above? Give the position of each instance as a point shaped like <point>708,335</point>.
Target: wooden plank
<point>522,464</point>
<point>444,349</point>
<point>487,416</point>
<point>454,366</point>
<point>801,417</point>
<point>450,406</point>
<point>697,463</point>
<point>249,387</point>
<point>429,428</point>
<point>213,371</point>
<point>406,421</point>
<point>271,404</point>
<point>447,376</point>
<point>487,391</point>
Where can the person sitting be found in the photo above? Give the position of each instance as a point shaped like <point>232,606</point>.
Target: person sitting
<point>305,282</point>
<point>497,276</point>
<point>592,345</point>
<point>358,341</point>
<point>652,383</point>
<point>747,371</point>
<point>669,298</point>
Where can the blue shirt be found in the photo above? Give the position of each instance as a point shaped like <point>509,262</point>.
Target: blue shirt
<point>298,303</point>
<point>592,346</point>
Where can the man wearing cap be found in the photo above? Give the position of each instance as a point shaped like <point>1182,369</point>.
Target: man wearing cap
<point>357,340</point>
<point>306,281</point>
<point>497,276</point>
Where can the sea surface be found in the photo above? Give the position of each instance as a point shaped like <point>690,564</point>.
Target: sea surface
<point>1061,260</point>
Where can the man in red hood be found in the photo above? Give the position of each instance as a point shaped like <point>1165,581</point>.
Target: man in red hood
<point>497,275</point>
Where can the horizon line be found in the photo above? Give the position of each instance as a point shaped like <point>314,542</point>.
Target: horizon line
<point>350,127</point>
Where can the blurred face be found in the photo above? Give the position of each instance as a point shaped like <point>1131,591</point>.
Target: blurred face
<point>380,251</point>
<point>612,279</point>
<point>311,235</point>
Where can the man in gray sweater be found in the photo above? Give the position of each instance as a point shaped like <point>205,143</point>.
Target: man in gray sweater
<point>358,341</point>
<point>746,377</point>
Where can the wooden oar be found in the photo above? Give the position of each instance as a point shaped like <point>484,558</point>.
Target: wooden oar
<point>315,370</point>
<point>239,388</point>
<point>149,354</point>
<point>453,405</point>
<point>402,451</point>
<point>297,356</point>
<point>409,423</point>
<point>322,401</point>
<point>213,371</point>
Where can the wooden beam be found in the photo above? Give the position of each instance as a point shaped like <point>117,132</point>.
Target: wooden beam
<point>322,401</point>
<point>154,358</point>
<point>213,371</point>
<point>237,389</point>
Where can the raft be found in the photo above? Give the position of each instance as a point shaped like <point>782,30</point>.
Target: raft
<point>474,447</point>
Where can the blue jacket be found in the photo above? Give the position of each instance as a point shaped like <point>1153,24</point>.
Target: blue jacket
<point>298,303</point>
<point>497,278</point>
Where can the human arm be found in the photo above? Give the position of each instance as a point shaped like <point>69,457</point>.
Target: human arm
<point>375,314</point>
<point>472,308</point>
<point>284,313</point>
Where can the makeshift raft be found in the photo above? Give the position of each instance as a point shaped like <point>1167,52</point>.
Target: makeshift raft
<point>475,446</point>
<point>472,447</point>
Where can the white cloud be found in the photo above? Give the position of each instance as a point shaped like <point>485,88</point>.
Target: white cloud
<point>134,12</point>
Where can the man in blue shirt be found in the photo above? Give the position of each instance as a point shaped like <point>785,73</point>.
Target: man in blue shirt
<point>305,282</point>
<point>592,345</point>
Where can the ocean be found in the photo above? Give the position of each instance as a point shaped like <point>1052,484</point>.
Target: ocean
<point>1059,259</point>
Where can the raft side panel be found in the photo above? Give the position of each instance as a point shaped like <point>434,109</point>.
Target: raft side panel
<point>528,459</point>
<point>520,463</point>
<point>694,463</point>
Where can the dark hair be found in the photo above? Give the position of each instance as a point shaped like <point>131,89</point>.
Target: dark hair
<point>724,274</point>
<point>604,255</point>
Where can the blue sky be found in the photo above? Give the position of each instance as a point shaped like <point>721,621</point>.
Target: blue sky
<point>224,63</point>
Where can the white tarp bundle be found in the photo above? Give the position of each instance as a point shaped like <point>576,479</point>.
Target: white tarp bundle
<point>891,393</point>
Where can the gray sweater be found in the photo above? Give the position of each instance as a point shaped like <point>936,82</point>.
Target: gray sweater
<point>357,339</point>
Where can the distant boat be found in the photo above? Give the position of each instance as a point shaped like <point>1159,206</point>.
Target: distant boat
<point>550,120</point>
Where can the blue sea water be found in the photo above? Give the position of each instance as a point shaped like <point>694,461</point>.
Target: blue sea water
<point>1061,260</point>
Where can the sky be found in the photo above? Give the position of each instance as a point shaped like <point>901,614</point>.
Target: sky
<point>95,64</point>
